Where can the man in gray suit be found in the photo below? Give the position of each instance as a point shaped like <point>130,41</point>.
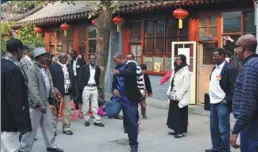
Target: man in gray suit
<point>41,90</point>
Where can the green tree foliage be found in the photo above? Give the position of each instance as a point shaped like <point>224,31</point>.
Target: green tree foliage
<point>27,35</point>
<point>5,34</point>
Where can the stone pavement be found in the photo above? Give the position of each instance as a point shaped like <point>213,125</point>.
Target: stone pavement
<point>153,136</point>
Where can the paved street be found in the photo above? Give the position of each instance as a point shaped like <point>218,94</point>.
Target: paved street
<point>153,136</point>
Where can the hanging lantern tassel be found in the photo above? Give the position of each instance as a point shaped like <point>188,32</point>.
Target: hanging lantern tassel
<point>118,28</point>
<point>180,23</point>
<point>65,32</point>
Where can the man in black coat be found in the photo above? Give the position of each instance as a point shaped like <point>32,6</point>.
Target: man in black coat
<point>89,84</point>
<point>222,83</point>
<point>77,63</point>
<point>64,82</point>
<point>15,116</point>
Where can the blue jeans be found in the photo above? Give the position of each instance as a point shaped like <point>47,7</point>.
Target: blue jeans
<point>220,127</point>
<point>249,138</point>
<point>130,113</point>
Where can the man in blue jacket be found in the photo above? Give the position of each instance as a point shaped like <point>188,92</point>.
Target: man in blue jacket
<point>245,99</point>
<point>125,86</point>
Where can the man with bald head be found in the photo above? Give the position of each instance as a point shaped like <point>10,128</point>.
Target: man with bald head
<point>245,99</point>
<point>63,80</point>
<point>125,88</point>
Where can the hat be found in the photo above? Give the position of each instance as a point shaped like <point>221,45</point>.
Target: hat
<point>39,51</point>
<point>14,44</point>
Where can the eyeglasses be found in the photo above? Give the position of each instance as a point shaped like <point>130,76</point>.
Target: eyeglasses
<point>238,46</point>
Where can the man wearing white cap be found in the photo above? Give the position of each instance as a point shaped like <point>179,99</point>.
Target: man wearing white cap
<point>40,92</point>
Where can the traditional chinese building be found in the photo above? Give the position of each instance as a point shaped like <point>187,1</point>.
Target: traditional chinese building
<point>151,31</point>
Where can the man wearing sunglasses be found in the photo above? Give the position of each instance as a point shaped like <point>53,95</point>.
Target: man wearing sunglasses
<point>245,99</point>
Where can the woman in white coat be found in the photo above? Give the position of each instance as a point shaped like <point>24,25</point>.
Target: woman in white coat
<point>179,96</point>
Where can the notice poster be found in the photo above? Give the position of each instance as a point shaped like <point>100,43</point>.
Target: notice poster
<point>186,52</point>
<point>156,66</point>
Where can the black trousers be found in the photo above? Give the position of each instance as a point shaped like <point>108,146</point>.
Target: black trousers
<point>130,120</point>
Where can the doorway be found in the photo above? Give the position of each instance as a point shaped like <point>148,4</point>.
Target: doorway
<point>187,48</point>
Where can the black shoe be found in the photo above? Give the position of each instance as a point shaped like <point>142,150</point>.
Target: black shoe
<point>55,134</point>
<point>210,150</point>
<point>179,135</point>
<point>36,139</point>
<point>68,132</point>
<point>87,124</point>
<point>54,150</point>
<point>99,124</point>
<point>172,133</point>
<point>134,148</point>
<point>118,117</point>
<point>144,117</point>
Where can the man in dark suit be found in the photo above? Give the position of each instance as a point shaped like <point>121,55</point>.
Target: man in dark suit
<point>222,82</point>
<point>63,79</point>
<point>77,63</point>
<point>15,116</point>
<point>126,88</point>
<point>89,84</point>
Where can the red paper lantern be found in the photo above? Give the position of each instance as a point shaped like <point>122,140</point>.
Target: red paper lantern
<point>65,27</point>
<point>93,22</point>
<point>180,14</point>
<point>118,21</point>
<point>37,29</point>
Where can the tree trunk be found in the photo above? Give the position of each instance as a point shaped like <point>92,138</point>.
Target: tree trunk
<point>103,25</point>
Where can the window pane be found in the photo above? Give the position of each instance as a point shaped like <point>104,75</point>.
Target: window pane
<point>172,28</point>
<point>65,44</point>
<point>92,31</point>
<point>59,37</point>
<point>149,29</point>
<point>138,60</point>
<point>213,31</point>
<point>82,50</point>
<point>82,34</point>
<point>208,48</point>
<point>159,45</point>
<point>168,44</point>
<point>133,49</point>
<point>149,46</point>
<point>158,64</point>
<point>202,32</point>
<point>148,62</point>
<point>139,50</point>
<point>92,46</point>
<point>249,23</point>
<point>70,46</point>
<point>202,22</point>
<point>231,22</point>
<point>135,32</point>
<point>160,28</point>
<point>213,21</point>
<point>168,63</point>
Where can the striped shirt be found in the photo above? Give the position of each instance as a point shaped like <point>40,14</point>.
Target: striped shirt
<point>245,98</point>
<point>140,78</point>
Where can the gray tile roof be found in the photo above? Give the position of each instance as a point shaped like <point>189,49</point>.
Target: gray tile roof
<point>57,12</point>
